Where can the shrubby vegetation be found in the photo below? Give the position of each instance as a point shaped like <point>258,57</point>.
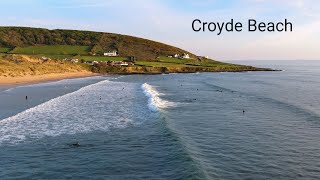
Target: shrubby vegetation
<point>21,65</point>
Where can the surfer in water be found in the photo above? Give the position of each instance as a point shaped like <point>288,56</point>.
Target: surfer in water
<point>77,144</point>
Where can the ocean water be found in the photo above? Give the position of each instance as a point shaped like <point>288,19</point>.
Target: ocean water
<point>250,125</point>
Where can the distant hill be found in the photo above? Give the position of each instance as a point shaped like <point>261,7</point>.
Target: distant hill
<point>97,42</point>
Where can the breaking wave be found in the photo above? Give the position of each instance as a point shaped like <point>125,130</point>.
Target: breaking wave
<point>84,110</point>
<point>155,102</point>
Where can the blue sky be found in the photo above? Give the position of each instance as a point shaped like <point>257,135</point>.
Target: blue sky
<point>170,21</point>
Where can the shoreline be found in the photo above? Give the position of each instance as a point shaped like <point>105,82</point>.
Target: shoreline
<point>191,72</point>
<point>32,79</point>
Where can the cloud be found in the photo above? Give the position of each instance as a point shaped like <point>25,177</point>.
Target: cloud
<point>170,22</point>
<point>75,4</point>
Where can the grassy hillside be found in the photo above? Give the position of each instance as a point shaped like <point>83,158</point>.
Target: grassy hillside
<point>55,49</point>
<point>151,56</point>
<point>18,37</point>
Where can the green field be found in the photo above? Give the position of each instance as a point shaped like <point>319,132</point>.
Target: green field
<point>56,50</point>
<point>212,63</point>
<point>160,64</point>
<point>100,58</point>
<point>53,56</point>
<point>4,50</point>
<point>176,60</point>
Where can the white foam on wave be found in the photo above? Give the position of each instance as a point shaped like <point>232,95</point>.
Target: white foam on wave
<point>50,83</point>
<point>99,106</point>
<point>8,90</point>
<point>155,102</point>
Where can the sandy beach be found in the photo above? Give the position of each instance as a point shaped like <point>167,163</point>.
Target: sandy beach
<point>42,78</point>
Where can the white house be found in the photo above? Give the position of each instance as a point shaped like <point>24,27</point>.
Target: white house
<point>185,56</point>
<point>74,60</point>
<point>206,57</point>
<point>111,53</point>
<point>176,56</point>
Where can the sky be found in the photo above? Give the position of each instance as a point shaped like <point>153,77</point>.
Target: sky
<point>170,21</point>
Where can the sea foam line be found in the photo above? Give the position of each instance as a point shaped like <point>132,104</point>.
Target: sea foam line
<point>12,118</point>
<point>68,114</point>
<point>155,102</point>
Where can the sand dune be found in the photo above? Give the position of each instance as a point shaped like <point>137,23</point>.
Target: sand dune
<point>40,78</point>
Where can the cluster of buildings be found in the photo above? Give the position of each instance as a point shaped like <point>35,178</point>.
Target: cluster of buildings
<point>114,53</point>
<point>111,63</point>
<point>128,62</point>
<point>74,60</point>
<point>120,63</point>
<point>206,57</point>
<point>180,56</point>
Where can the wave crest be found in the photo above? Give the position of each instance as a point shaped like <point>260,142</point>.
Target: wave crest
<point>155,102</point>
